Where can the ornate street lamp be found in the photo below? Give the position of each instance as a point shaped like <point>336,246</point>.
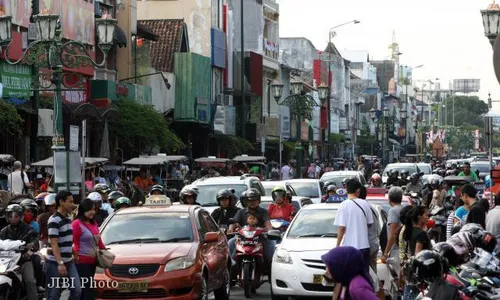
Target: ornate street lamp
<point>403,112</point>
<point>373,114</point>
<point>491,22</point>
<point>323,92</point>
<point>386,112</point>
<point>277,91</point>
<point>296,87</point>
<point>50,52</point>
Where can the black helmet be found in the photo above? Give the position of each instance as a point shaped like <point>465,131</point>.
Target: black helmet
<point>394,173</point>
<point>447,251</point>
<point>464,245</point>
<point>14,208</point>
<point>405,172</point>
<point>101,188</point>
<point>327,184</point>
<point>189,192</point>
<point>425,267</point>
<point>226,193</point>
<point>156,188</point>
<point>113,196</point>
<point>414,176</point>
<point>251,194</point>
<point>289,195</point>
<point>29,204</point>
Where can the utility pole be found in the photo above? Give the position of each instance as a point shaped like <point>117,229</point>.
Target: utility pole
<point>35,102</point>
<point>243,92</point>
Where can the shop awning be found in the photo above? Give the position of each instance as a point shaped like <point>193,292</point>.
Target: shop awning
<point>49,162</point>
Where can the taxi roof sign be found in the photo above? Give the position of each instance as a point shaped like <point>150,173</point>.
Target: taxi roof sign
<point>376,191</point>
<point>158,200</point>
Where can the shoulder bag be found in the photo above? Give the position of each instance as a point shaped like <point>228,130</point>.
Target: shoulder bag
<point>105,258</point>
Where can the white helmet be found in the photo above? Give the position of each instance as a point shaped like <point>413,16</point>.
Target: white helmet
<point>95,196</point>
<point>50,199</point>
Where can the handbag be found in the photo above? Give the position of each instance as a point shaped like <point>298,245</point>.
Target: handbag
<point>105,258</point>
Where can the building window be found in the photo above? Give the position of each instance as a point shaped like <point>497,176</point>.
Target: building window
<point>216,13</point>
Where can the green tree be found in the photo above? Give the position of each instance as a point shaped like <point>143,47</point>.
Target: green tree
<point>10,120</point>
<point>141,128</point>
<point>468,110</point>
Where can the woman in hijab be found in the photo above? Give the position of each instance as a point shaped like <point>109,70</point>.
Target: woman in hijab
<point>345,265</point>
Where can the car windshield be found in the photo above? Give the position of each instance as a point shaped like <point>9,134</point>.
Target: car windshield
<point>147,228</point>
<point>268,189</point>
<point>207,193</point>
<point>384,203</point>
<point>314,223</point>
<point>305,189</point>
<point>336,178</point>
<point>427,169</point>
<point>409,168</point>
<point>482,167</point>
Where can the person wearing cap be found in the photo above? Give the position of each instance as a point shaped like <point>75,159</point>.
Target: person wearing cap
<point>43,219</point>
<point>18,181</point>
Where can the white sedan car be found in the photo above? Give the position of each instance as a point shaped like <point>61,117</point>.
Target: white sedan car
<point>297,268</point>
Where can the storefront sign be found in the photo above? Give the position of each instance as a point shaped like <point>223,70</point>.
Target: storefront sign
<point>16,80</point>
<point>77,18</point>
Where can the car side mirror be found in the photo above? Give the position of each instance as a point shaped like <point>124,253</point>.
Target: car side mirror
<point>274,235</point>
<point>211,237</point>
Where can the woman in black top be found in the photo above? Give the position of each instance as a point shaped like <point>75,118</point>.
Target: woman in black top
<point>415,230</point>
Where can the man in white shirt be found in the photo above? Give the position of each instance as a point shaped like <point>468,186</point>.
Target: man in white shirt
<point>353,219</point>
<point>18,180</point>
<point>285,172</point>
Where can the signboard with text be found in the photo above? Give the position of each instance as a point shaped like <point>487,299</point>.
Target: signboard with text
<point>77,18</point>
<point>16,80</point>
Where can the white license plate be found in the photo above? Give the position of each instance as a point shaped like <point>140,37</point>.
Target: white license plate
<point>125,287</point>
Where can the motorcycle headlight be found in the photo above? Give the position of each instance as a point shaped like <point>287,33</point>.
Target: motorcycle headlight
<point>282,256</point>
<point>180,263</point>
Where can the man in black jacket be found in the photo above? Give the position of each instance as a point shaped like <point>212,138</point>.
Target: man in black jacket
<point>226,211</point>
<point>19,231</point>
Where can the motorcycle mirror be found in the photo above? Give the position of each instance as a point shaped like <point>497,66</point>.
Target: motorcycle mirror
<point>231,221</point>
<point>274,234</point>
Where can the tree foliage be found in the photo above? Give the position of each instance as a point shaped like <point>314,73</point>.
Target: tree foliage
<point>10,120</point>
<point>468,110</point>
<point>234,145</point>
<point>141,128</point>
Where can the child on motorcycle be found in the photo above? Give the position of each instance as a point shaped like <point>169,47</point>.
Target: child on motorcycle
<point>252,221</point>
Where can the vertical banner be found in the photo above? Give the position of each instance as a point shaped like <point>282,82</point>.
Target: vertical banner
<point>20,10</point>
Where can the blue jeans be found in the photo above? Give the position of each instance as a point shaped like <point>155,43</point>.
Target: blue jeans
<point>55,282</point>
<point>268,245</point>
<point>410,292</point>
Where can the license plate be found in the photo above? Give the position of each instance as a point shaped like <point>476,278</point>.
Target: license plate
<point>317,278</point>
<point>125,287</point>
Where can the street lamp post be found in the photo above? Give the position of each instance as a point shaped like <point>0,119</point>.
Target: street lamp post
<point>50,52</point>
<point>375,120</point>
<point>491,22</point>
<point>404,114</point>
<point>385,140</point>
<point>301,104</point>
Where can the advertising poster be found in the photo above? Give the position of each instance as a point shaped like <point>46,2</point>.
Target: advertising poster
<point>20,10</point>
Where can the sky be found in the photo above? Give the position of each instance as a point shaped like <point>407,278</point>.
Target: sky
<point>446,36</point>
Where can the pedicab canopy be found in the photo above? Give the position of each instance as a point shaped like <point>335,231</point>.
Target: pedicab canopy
<point>154,160</point>
<point>49,162</point>
<point>158,200</point>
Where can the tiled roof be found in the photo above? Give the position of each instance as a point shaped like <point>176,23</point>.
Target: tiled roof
<point>170,35</point>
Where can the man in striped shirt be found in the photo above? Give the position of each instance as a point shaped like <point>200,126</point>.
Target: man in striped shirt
<point>61,270</point>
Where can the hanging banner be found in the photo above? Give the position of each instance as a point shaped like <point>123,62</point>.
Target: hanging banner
<point>20,10</point>
<point>77,18</point>
<point>16,80</point>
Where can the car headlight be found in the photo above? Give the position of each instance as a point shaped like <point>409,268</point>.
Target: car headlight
<point>99,270</point>
<point>180,263</point>
<point>282,256</point>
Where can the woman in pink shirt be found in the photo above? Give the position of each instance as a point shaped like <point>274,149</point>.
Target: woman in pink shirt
<point>85,235</point>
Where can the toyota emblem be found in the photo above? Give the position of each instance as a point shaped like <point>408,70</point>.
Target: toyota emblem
<point>133,271</point>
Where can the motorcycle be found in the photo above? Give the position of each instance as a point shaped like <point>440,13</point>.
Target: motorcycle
<point>11,283</point>
<point>250,257</point>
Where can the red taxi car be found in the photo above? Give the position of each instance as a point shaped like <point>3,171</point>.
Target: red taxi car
<point>164,252</point>
<point>379,196</point>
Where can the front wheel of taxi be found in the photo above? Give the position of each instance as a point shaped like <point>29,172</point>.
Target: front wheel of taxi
<point>223,292</point>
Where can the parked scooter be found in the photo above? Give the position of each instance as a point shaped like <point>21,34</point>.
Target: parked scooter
<point>11,282</point>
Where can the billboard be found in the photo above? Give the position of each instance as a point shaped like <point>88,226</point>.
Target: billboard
<point>20,10</point>
<point>77,18</point>
<point>466,86</point>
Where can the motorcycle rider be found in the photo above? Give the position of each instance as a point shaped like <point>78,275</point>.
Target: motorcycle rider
<point>252,200</point>
<point>393,178</point>
<point>156,190</point>
<point>30,209</point>
<point>414,186</point>
<point>404,178</point>
<point>280,208</point>
<point>122,202</point>
<point>112,197</point>
<point>18,230</point>
<point>104,190</point>
<point>225,211</point>
<point>189,196</point>
<point>376,181</point>
<point>467,172</point>
<point>43,219</point>
<point>101,214</point>
<point>437,195</point>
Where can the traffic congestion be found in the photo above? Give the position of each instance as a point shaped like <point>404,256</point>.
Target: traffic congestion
<point>399,232</point>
